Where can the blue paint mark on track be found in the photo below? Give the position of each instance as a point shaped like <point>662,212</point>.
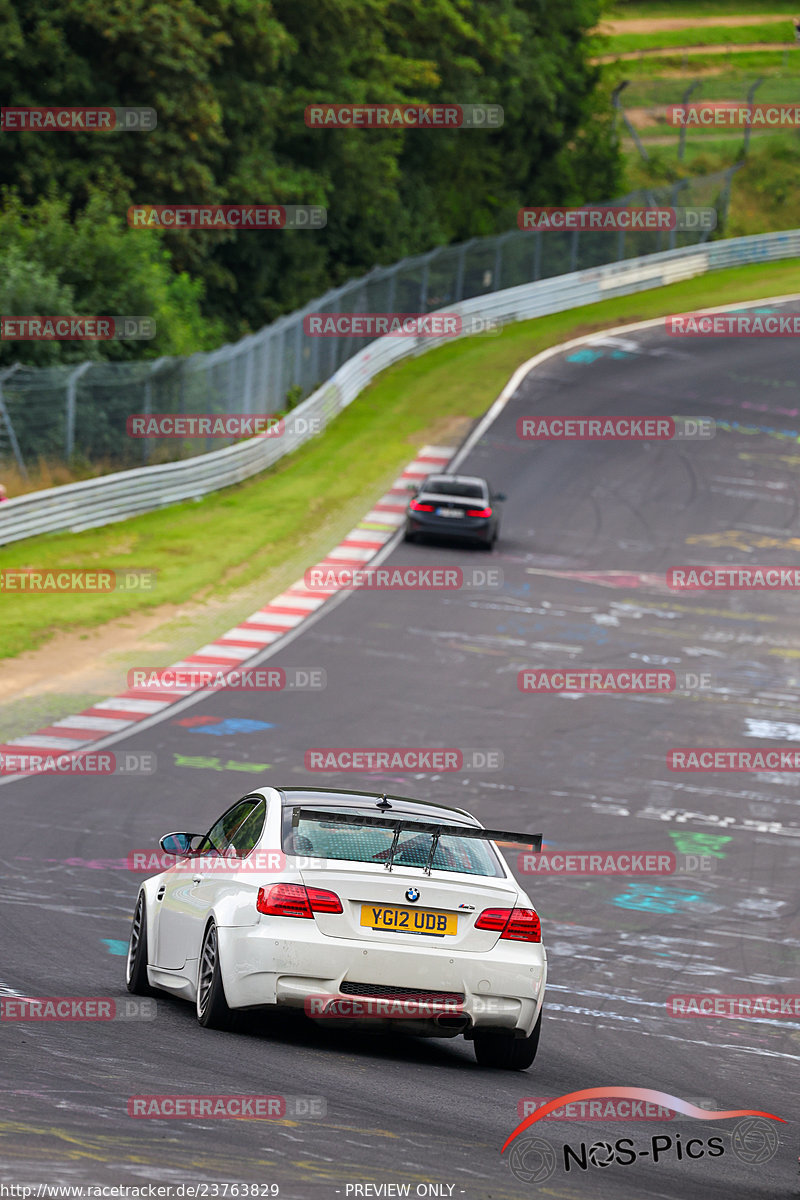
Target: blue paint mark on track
<point>115,946</point>
<point>233,725</point>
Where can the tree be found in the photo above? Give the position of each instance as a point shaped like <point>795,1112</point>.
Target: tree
<point>230,80</point>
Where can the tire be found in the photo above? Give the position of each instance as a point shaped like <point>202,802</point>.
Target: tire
<point>505,1052</point>
<point>136,965</point>
<point>409,537</point>
<point>211,1005</point>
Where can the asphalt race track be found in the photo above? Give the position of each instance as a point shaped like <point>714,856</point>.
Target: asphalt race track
<point>588,531</point>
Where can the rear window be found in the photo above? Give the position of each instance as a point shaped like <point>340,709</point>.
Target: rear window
<point>450,487</point>
<point>370,843</point>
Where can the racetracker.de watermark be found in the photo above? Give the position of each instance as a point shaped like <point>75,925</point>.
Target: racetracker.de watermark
<point>718,758</point>
<point>607,218</point>
<point>22,761</point>
<point>40,580</point>
<point>705,1005</point>
<point>397,324</point>
<point>733,324</point>
<point>76,1008</point>
<point>402,579</point>
<point>77,120</point>
<point>385,1008</point>
<point>403,116</point>
<point>732,114</point>
<point>237,679</point>
<point>613,862</point>
<point>608,1109</point>
<point>619,429</point>
<point>227,216</point>
<point>733,579</point>
<point>351,1008</point>
<point>609,681</point>
<point>222,1107</point>
<point>190,425</point>
<point>401,758</point>
<point>261,862</point>
<point>77,329</point>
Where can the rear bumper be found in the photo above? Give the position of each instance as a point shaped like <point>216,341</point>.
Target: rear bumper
<point>502,989</point>
<point>469,528</point>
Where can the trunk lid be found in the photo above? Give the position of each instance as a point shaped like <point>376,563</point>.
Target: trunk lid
<point>377,908</point>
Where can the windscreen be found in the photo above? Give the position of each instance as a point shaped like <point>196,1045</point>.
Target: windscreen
<point>372,844</point>
<point>450,487</point>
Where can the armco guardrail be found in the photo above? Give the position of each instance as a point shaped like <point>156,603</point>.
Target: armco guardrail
<point>96,502</point>
<point>82,408</point>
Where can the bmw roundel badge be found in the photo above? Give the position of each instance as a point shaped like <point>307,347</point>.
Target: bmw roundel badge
<point>412,894</point>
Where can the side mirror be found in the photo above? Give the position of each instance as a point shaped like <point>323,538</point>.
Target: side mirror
<point>177,843</point>
<point>500,496</point>
<point>413,488</point>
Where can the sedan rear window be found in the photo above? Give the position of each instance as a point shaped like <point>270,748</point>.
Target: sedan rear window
<point>450,487</point>
<point>369,843</point>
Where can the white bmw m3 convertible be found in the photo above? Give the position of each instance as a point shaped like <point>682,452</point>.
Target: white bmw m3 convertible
<point>371,910</point>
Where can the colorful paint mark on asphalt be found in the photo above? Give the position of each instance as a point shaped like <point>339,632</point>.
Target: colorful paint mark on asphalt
<point>115,946</point>
<point>648,897</point>
<point>687,842</point>
<point>740,539</point>
<point>203,762</point>
<point>232,725</point>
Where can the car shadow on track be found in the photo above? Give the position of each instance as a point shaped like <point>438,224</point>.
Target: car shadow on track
<point>296,1031</point>
<point>441,541</point>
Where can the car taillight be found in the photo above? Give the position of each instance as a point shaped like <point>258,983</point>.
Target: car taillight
<point>415,506</point>
<point>514,924</point>
<point>479,512</point>
<point>284,900</point>
<point>323,901</point>
<point>294,900</point>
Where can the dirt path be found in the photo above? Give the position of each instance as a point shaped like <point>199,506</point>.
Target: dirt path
<point>667,24</point>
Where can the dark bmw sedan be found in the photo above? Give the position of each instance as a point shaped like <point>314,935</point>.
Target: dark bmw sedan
<point>454,506</point>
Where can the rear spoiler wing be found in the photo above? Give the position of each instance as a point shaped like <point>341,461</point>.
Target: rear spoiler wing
<point>404,824</point>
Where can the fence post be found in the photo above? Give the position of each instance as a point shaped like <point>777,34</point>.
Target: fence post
<point>684,101</point>
<point>314,379</point>
<point>423,293</point>
<point>573,257</point>
<point>155,367</point>
<point>677,188</point>
<point>619,110</point>
<point>297,373</point>
<point>12,437</point>
<point>747,132</point>
<point>248,378</point>
<point>459,286</point>
<point>72,389</point>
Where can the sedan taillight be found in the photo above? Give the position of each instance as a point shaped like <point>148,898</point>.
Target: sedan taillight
<point>479,512</point>
<point>513,924</point>
<point>294,900</point>
<point>415,506</point>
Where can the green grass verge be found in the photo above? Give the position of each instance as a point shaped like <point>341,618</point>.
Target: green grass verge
<point>697,35</point>
<point>686,63</point>
<point>282,521</point>
<point>781,88</point>
<point>691,10</point>
<point>705,154</point>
